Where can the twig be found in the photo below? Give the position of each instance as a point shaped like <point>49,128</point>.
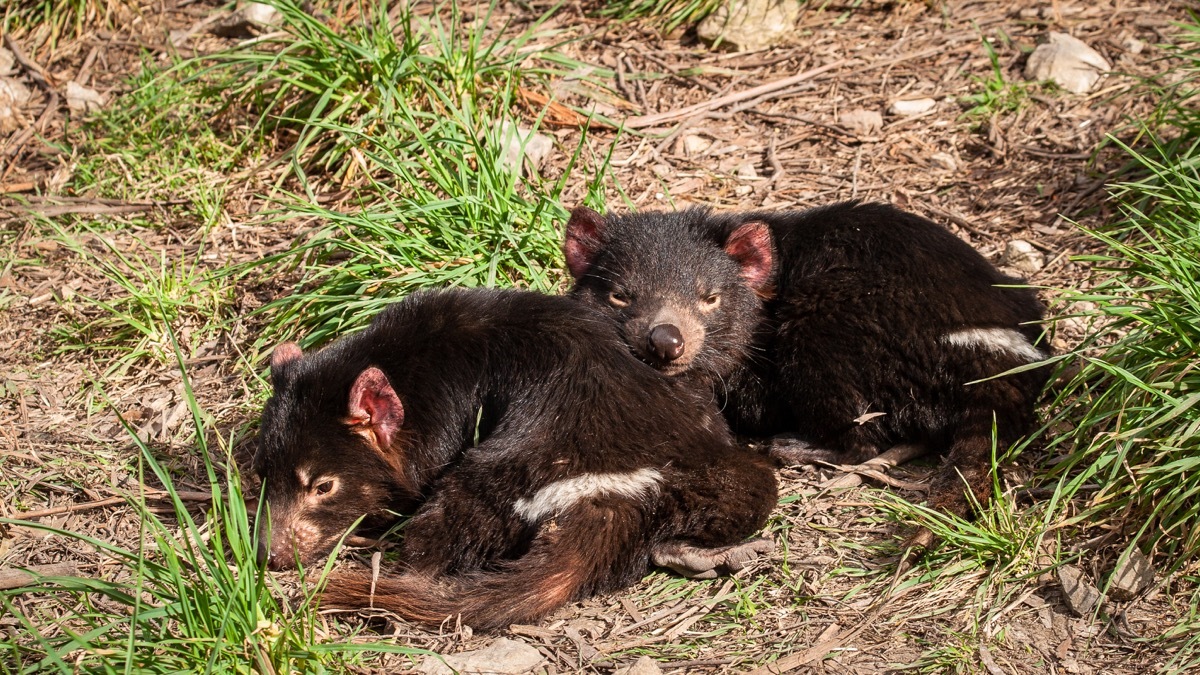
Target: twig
<point>157,495</point>
<point>94,209</point>
<point>36,73</point>
<point>827,641</point>
<point>643,121</point>
<point>773,160</point>
<point>770,87</point>
<point>896,455</point>
<point>16,578</point>
<point>956,219</point>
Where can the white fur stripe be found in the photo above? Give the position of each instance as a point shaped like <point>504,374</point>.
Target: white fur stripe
<point>561,495</point>
<point>1007,340</point>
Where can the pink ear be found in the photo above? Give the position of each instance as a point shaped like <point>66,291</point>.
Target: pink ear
<point>375,407</point>
<point>582,240</point>
<point>750,246</point>
<point>285,354</point>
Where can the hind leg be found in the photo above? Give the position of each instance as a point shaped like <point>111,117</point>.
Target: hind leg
<point>965,478</point>
<point>711,512</point>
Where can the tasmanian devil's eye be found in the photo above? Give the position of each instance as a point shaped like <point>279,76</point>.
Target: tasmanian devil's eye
<point>710,302</point>
<point>324,487</point>
<point>618,299</point>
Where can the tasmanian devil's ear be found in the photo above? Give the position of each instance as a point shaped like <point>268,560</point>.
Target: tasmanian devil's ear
<point>285,354</point>
<point>751,247</point>
<point>375,409</point>
<point>582,240</point>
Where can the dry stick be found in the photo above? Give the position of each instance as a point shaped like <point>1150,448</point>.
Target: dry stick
<point>770,87</point>
<point>157,495</point>
<point>93,209</point>
<point>643,121</point>
<point>16,578</point>
<point>874,467</point>
<point>35,71</point>
<point>37,74</point>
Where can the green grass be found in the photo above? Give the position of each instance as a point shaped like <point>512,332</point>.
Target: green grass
<point>669,13</point>
<point>162,141</point>
<point>152,296</point>
<point>996,95</point>
<point>56,19</point>
<point>316,89</point>
<point>1131,412</point>
<point>455,216</point>
<point>189,598</point>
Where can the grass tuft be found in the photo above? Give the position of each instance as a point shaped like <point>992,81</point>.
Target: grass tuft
<point>670,13</point>
<point>190,598</point>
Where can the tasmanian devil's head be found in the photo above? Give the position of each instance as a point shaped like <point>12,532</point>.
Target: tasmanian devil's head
<point>686,289</point>
<point>330,452</point>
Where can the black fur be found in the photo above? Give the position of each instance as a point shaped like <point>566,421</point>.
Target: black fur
<point>853,320</point>
<point>557,396</point>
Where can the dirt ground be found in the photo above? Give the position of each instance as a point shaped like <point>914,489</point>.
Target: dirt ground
<point>1028,174</point>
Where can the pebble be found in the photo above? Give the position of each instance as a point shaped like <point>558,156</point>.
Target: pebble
<point>251,20</point>
<point>749,25</point>
<point>643,666</point>
<point>863,122</point>
<point>944,160</point>
<point>1067,62</point>
<point>13,96</point>
<point>1080,595</point>
<point>1021,255</point>
<point>912,106</point>
<point>83,99</point>
<point>694,145</point>
<point>1131,578</point>
<point>520,144</point>
<point>502,657</point>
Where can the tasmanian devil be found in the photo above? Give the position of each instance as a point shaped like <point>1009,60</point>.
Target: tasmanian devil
<point>854,327</point>
<point>544,461</point>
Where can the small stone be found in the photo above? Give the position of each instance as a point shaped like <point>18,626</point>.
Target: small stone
<point>746,172</point>
<point>749,25</point>
<point>1067,62</point>
<point>944,160</point>
<point>7,63</point>
<point>502,657</point>
<point>1133,45</point>
<point>861,121</point>
<point>1021,255</point>
<point>83,99</point>
<point>13,96</point>
<point>251,20</point>
<point>912,106</point>
<point>743,190</point>
<point>522,144</point>
<point>694,145</point>
<point>643,666</point>
<point>1131,578</point>
<point>1080,595</point>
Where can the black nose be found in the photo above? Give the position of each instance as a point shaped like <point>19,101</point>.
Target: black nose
<point>666,342</point>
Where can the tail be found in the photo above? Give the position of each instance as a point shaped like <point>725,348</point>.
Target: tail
<point>567,561</point>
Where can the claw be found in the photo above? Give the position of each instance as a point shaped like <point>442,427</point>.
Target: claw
<point>709,563</point>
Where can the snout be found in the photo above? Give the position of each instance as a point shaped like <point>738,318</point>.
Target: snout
<point>665,341</point>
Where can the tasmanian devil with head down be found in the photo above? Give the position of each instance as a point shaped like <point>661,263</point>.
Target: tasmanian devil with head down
<point>855,327</point>
<point>589,465</point>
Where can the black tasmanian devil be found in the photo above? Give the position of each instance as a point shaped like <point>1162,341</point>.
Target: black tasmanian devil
<point>545,462</point>
<point>855,327</point>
